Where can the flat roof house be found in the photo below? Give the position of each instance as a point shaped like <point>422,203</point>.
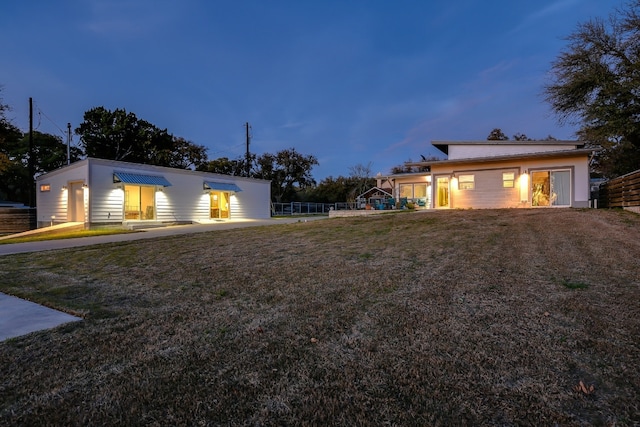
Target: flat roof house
<point>97,191</point>
<point>500,174</point>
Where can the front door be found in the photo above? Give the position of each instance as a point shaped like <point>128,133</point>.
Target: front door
<point>75,204</point>
<point>442,192</point>
<point>220,205</point>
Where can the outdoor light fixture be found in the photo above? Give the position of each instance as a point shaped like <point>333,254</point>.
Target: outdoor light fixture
<point>85,186</point>
<point>64,187</point>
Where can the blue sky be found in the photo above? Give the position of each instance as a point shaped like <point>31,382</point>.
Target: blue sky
<point>351,82</point>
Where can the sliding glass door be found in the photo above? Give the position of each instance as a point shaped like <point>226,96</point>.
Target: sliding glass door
<point>551,188</point>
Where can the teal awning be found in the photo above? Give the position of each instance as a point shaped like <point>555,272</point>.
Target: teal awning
<point>221,186</point>
<point>139,179</point>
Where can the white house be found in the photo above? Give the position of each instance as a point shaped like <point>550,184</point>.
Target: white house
<point>500,174</point>
<point>97,191</point>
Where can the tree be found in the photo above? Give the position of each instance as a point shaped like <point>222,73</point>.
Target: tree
<point>50,152</point>
<point>118,135</point>
<point>225,166</point>
<point>361,175</point>
<point>497,135</point>
<point>521,137</point>
<point>183,154</point>
<point>339,189</point>
<point>14,178</point>
<point>289,172</point>
<point>596,84</point>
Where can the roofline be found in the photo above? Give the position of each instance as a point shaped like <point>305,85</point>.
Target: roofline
<point>374,188</point>
<point>497,159</point>
<point>444,145</point>
<point>146,167</point>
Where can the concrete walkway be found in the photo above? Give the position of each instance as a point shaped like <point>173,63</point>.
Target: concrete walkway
<point>19,317</point>
<point>46,245</point>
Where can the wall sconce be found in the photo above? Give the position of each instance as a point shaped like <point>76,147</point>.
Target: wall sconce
<point>159,189</point>
<point>64,187</point>
<point>85,186</point>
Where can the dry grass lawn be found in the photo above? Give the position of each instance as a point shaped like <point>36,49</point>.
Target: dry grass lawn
<point>477,317</point>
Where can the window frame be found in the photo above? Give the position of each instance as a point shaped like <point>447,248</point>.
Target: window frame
<point>466,182</point>
<point>508,182</point>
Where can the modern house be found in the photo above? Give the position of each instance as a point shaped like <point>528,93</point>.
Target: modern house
<point>499,174</point>
<point>97,191</point>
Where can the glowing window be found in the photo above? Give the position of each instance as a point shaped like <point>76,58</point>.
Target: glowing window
<point>508,179</point>
<point>45,187</point>
<point>466,182</point>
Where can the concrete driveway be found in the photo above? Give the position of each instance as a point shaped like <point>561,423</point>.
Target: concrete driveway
<point>19,317</point>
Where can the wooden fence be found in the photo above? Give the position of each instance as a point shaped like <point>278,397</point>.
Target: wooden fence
<point>17,220</point>
<point>620,192</point>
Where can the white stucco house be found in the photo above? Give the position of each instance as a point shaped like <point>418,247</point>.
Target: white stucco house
<point>97,191</point>
<point>499,174</point>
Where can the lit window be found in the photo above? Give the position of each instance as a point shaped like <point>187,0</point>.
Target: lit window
<point>406,190</point>
<point>508,179</point>
<point>45,187</point>
<point>466,182</point>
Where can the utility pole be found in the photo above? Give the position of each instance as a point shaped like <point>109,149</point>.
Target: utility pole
<point>248,165</point>
<point>31,164</point>
<point>68,144</point>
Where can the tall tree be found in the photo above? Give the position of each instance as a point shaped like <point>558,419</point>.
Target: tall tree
<point>118,135</point>
<point>596,84</point>
<point>289,172</point>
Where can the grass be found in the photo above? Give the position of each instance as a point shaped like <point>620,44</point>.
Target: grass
<point>436,318</point>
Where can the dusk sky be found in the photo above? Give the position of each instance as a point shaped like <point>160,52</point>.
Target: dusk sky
<point>348,81</point>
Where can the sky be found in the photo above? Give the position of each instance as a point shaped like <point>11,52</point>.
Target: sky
<point>351,82</point>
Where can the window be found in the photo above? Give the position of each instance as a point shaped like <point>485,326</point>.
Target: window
<point>45,187</point>
<point>420,191</point>
<point>139,202</point>
<point>406,190</point>
<point>508,179</point>
<point>466,182</point>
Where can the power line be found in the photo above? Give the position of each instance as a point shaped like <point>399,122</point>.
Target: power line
<point>40,112</point>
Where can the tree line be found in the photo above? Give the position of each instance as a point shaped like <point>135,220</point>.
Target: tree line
<point>121,135</point>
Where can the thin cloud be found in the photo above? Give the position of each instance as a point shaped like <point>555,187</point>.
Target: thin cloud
<point>544,13</point>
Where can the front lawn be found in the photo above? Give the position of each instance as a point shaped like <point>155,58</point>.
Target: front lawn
<point>479,317</point>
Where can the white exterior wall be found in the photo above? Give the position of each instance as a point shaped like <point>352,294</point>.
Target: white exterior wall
<point>184,201</point>
<point>477,150</point>
<point>54,203</point>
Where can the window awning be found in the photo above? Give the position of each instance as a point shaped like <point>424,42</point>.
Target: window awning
<point>134,178</point>
<point>221,186</point>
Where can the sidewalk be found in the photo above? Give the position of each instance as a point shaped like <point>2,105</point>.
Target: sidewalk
<point>19,317</point>
<point>46,245</point>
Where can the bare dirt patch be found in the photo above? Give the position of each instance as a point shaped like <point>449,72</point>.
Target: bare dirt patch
<point>492,317</point>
